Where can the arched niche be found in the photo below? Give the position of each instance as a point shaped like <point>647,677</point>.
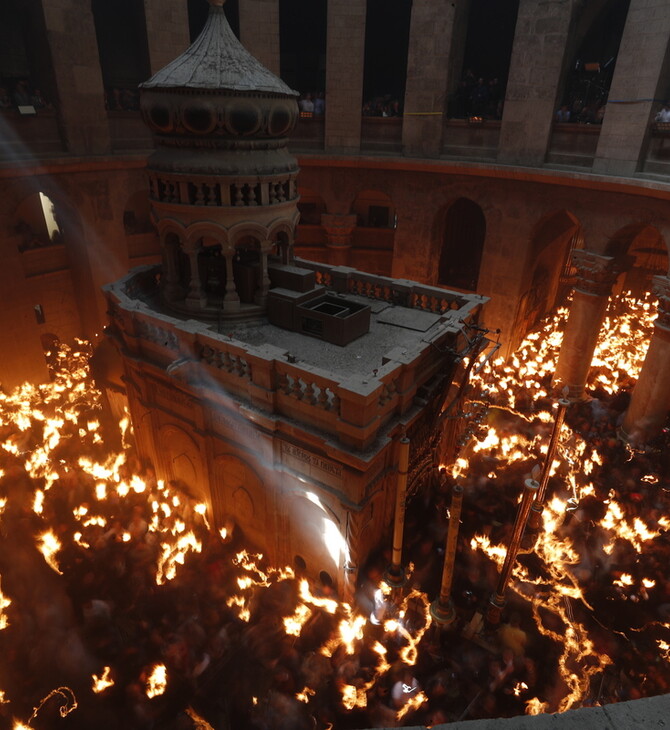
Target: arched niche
<point>374,209</point>
<point>238,493</point>
<point>648,251</point>
<point>463,236</point>
<point>311,206</point>
<point>548,274</point>
<point>38,222</point>
<point>182,460</point>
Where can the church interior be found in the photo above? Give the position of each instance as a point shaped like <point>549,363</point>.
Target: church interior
<point>336,371</point>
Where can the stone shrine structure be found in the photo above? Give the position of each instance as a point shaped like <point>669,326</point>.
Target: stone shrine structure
<point>274,389</point>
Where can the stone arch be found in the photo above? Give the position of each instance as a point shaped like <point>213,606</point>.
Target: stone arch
<point>182,459</point>
<point>374,209</point>
<point>462,234</point>
<point>242,232</point>
<point>548,265</point>
<point>239,493</point>
<point>311,207</point>
<point>208,232</point>
<point>648,250</point>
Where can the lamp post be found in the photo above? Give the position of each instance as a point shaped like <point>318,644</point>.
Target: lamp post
<point>497,600</point>
<point>442,610</point>
<point>394,576</point>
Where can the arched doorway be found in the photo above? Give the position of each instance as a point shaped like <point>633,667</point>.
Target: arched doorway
<point>649,256</point>
<point>463,236</point>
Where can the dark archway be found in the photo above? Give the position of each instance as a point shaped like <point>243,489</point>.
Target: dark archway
<point>464,233</point>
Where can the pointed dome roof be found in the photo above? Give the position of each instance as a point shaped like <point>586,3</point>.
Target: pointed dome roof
<point>217,60</point>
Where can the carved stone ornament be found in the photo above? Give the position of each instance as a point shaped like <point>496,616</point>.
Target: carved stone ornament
<point>595,273</point>
<point>661,288</point>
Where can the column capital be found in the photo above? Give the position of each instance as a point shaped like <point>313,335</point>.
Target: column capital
<point>661,289</point>
<point>338,229</point>
<point>596,273</point>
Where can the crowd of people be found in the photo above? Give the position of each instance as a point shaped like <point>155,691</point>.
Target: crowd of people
<point>108,609</point>
<point>312,104</point>
<point>21,93</point>
<point>477,96</point>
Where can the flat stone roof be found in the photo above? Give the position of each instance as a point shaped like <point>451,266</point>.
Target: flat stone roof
<point>391,327</point>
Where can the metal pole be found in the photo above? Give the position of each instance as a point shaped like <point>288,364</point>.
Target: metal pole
<point>442,610</point>
<point>535,521</point>
<point>395,576</point>
<point>497,601</point>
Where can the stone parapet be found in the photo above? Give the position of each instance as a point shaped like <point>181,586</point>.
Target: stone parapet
<point>353,409</point>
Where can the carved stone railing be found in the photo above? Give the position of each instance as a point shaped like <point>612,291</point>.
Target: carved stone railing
<point>222,192</point>
<point>352,408</point>
<point>400,292</point>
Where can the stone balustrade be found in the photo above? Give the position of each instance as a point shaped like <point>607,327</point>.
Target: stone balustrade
<point>219,192</point>
<point>351,407</point>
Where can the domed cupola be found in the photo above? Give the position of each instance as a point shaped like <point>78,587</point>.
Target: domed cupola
<point>222,182</point>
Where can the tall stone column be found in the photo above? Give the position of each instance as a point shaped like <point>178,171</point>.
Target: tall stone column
<point>595,276</point>
<point>540,42</point>
<point>650,402</point>
<point>167,31</point>
<point>339,230</point>
<point>76,68</point>
<point>345,59</point>
<point>259,31</point>
<point>430,46</point>
<point>639,76</point>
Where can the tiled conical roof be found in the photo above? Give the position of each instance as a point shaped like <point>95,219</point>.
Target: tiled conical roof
<point>217,60</point>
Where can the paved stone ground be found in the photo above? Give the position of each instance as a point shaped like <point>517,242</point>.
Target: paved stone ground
<point>649,713</point>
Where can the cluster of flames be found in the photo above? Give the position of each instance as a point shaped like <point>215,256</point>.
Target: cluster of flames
<point>44,423</point>
<point>619,356</point>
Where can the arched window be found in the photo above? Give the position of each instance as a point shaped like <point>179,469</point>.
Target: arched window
<point>311,206</point>
<point>463,238</point>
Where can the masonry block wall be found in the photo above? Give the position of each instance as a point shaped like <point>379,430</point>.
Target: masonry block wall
<point>642,55</point>
<point>345,59</point>
<point>167,31</point>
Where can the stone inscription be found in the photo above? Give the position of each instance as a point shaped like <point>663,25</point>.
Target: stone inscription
<point>323,470</point>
